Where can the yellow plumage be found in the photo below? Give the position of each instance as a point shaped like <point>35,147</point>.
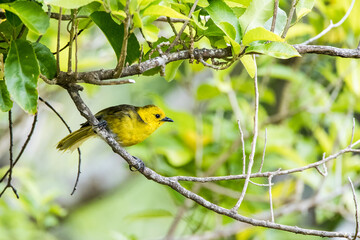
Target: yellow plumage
<point>128,124</point>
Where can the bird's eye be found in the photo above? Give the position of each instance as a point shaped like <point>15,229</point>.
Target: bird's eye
<point>157,115</point>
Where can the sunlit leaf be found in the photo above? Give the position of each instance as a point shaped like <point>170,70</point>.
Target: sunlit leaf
<point>275,49</point>
<point>249,64</point>
<point>31,14</point>
<point>71,4</point>
<point>260,33</point>
<point>171,69</point>
<point>258,12</point>
<point>303,7</point>
<point>158,10</point>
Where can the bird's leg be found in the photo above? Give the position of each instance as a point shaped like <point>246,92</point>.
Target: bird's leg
<point>102,124</point>
<point>139,166</point>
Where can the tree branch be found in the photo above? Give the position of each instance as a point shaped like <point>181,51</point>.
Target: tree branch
<point>173,183</point>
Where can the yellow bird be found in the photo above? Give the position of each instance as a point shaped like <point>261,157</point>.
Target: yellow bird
<point>128,124</point>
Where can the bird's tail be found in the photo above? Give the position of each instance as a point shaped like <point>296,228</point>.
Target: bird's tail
<point>75,139</point>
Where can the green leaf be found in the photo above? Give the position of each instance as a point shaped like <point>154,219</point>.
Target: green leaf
<point>21,74</point>
<point>258,12</point>
<point>115,35</point>
<point>70,4</point>
<point>31,14</point>
<point>201,3</point>
<point>249,64</point>
<point>225,19</point>
<point>89,8</point>
<point>12,18</point>
<point>158,10</point>
<point>275,49</point>
<point>303,7</point>
<point>46,60</point>
<point>207,91</point>
<point>171,69</point>
<point>281,18</point>
<point>5,101</point>
<point>151,33</point>
<point>260,33</point>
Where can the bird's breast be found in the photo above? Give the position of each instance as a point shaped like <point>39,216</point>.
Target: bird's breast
<point>128,131</point>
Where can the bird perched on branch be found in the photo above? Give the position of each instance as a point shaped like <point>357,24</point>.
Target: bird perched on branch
<point>128,124</point>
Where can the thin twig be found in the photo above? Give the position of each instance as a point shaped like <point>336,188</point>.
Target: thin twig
<point>356,209</point>
<point>352,132</point>
<point>270,199</point>
<point>110,82</point>
<point>72,30</point>
<point>331,26</point>
<point>24,145</point>
<point>120,66</point>
<point>288,22</point>
<point>263,155</point>
<point>9,184</point>
<point>253,143</point>
<point>58,43</point>
<point>273,23</point>
<point>243,147</point>
<point>323,173</point>
<point>68,128</point>
<point>76,47</point>
<point>182,28</point>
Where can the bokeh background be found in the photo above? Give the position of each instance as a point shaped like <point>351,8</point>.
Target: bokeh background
<point>307,106</point>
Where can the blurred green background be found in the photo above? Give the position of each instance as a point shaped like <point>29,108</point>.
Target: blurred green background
<point>306,104</point>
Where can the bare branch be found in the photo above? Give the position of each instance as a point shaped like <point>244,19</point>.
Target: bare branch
<point>288,21</point>
<point>328,50</point>
<point>331,26</point>
<point>323,173</point>
<point>270,199</point>
<point>253,143</point>
<point>273,23</point>
<point>24,145</point>
<point>263,155</point>
<point>243,146</point>
<point>352,132</point>
<point>65,17</point>
<point>120,66</point>
<point>58,43</point>
<point>11,160</point>
<point>174,20</point>
<point>267,174</point>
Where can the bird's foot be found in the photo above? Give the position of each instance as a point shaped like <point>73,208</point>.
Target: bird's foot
<point>139,166</point>
<point>102,124</point>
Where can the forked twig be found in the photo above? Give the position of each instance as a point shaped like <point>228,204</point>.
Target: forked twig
<point>332,25</point>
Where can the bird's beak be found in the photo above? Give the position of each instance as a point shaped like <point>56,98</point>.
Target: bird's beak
<point>166,119</point>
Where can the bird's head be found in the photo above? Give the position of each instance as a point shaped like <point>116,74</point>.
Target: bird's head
<point>153,115</point>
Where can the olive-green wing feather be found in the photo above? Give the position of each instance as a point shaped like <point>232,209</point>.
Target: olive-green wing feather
<point>75,139</point>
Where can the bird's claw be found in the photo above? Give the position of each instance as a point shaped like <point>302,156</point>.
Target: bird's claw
<point>139,166</point>
<point>102,124</point>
